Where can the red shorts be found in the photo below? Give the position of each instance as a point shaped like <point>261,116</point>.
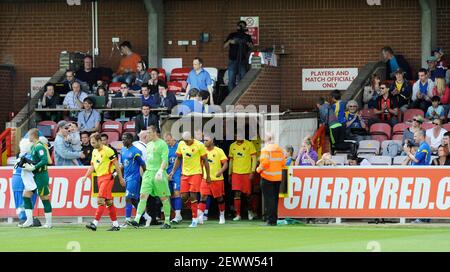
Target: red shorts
<point>215,188</point>
<point>105,185</point>
<point>190,183</point>
<point>241,182</point>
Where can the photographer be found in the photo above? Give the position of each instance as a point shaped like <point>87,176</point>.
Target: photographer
<point>239,44</point>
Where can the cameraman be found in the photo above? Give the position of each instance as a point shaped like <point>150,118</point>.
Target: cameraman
<point>239,44</point>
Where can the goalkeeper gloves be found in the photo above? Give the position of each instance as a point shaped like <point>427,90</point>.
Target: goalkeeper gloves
<point>159,175</point>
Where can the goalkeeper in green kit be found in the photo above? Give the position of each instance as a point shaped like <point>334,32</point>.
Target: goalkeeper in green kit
<point>155,181</point>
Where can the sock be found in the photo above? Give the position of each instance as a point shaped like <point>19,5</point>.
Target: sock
<point>115,223</point>
<point>202,206</point>
<point>29,214</point>
<point>128,209</point>
<point>140,210</point>
<point>237,206</point>
<point>194,207</point>
<point>177,203</point>
<point>221,206</point>
<point>166,208</point>
<point>27,203</point>
<point>112,213</point>
<point>147,217</point>
<point>95,222</point>
<point>48,219</point>
<point>47,206</point>
<point>99,212</point>
<point>177,213</point>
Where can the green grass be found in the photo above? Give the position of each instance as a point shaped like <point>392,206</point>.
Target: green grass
<point>242,236</point>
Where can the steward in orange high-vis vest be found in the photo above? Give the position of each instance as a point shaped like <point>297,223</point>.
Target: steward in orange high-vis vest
<point>271,163</point>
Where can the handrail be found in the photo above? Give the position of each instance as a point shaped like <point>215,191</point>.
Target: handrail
<point>5,146</point>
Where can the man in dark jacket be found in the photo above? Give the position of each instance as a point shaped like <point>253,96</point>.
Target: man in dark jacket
<point>166,99</point>
<point>394,62</point>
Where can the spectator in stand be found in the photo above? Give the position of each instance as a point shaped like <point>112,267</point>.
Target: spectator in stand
<point>88,74</point>
<point>166,99</point>
<point>74,99</point>
<point>356,129</point>
<point>86,148</point>
<point>443,158</point>
<point>372,92</point>
<point>192,104</point>
<point>423,154</point>
<point>89,118</point>
<point>105,142</point>
<point>422,91</point>
<point>446,140</point>
<point>154,81</point>
<point>289,154</point>
<point>435,110</point>
<point>148,99</point>
<point>326,160</point>
<point>124,91</point>
<point>101,91</point>
<point>141,76</point>
<point>49,101</point>
<point>74,140</point>
<point>199,78</point>
<point>64,153</point>
<point>440,59</point>
<point>443,91</point>
<point>307,156</point>
<point>338,106</point>
<point>324,110</point>
<point>408,134</point>
<point>394,62</point>
<point>433,71</point>
<point>387,109</point>
<point>145,119</point>
<point>240,43</point>
<point>435,134</point>
<point>128,64</point>
<point>70,79</point>
<point>98,84</point>
<point>401,90</point>
<point>205,102</point>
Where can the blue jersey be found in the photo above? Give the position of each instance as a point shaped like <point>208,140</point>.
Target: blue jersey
<point>423,154</point>
<point>132,161</point>
<point>172,158</point>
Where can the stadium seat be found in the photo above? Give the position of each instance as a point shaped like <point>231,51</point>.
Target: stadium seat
<point>400,128</point>
<point>384,144</point>
<point>410,113</point>
<point>427,125</point>
<point>180,74</point>
<point>129,126</point>
<point>114,87</point>
<point>117,145</point>
<point>369,147</point>
<point>398,160</point>
<point>446,126</point>
<point>367,114</point>
<point>112,136</point>
<point>380,132</point>
<point>112,126</point>
<point>380,160</point>
<point>53,128</point>
<point>339,160</point>
<point>175,87</point>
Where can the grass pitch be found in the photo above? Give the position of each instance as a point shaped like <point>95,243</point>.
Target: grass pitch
<point>240,236</point>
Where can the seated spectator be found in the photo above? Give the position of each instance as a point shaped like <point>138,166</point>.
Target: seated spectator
<point>88,118</point>
<point>326,160</point>
<point>394,62</point>
<point>166,99</point>
<point>413,149</point>
<point>128,64</point>
<point>441,60</point>
<point>88,74</point>
<point>356,129</point>
<point>408,134</point>
<point>401,90</point>
<point>324,110</point>
<point>433,71</point>
<point>145,119</point>
<point>446,140</point>
<point>105,141</point>
<point>101,91</point>
<point>435,110</point>
<point>86,148</point>
<point>50,100</point>
<point>443,158</point>
<point>204,96</point>
<point>154,81</point>
<point>356,161</point>
<point>148,99</point>
<point>306,155</point>
<point>435,134</point>
<point>65,155</point>
<point>200,79</point>
<point>387,109</point>
<point>124,91</point>
<point>423,154</point>
<point>338,106</point>
<point>68,82</point>
<point>100,83</point>
<point>372,92</point>
<point>191,105</point>
<point>141,76</point>
<point>443,91</point>
<point>289,153</point>
<point>422,91</point>
<point>74,99</point>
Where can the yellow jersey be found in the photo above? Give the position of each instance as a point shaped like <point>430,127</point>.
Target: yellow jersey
<point>216,157</point>
<point>192,157</point>
<point>241,154</point>
<point>103,161</point>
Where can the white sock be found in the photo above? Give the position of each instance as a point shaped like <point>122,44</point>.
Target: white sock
<point>177,213</point>
<point>147,217</point>
<point>206,212</point>
<point>115,223</point>
<point>29,214</point>
<point>95,222</point>
<point>48,219</point>
<point>127,218</point>
<point>222,213</point>
<point>195,220</point>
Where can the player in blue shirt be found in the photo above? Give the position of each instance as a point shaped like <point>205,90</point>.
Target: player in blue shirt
<point>423,154</point>
<point>174,184</point>
<point>131,161</point>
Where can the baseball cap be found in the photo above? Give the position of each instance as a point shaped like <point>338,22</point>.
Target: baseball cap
<point>431,58</point>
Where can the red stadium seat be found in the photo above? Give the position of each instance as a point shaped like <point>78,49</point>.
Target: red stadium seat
<point>427,125</point>
<point>380,132</point>
<point>114,87</point>
<point>446,126</point>
<point>113,136</point>
<point>112,126</point>
<point>53,127</point>
<point>409,114</point>
<point>129,126</point>
<point>399,128</point>
<point>180,74</point>
<point>175,87</point>
<point>367,114</point>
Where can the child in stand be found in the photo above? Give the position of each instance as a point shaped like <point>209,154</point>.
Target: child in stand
<point>74,140</point>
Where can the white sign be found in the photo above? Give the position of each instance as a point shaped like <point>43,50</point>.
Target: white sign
<point>328,79</point>
<point>253,28</point>
<point>170,63</point>
<point>37,83</point>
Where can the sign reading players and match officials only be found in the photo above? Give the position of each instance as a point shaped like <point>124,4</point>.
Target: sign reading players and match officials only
<point>328,79</point>
<point>69,196</point>
<point>253,28</point>
<point>367,192</point>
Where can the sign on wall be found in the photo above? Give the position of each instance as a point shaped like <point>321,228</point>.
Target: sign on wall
<point>37,83</point>
<point>253,28</point>
<point>328,79</point>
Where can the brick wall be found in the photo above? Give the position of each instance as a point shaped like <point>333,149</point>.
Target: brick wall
<point>316,34</point>
<point>443,26</point>
<point>34,34</point>
<point>6,87</point>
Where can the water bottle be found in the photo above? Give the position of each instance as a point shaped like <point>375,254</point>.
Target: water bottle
<point>39,104</point>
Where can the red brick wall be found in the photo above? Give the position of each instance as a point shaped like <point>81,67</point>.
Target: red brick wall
<point>316,34</point>
<point>443,26</point>
<point>6,101</point>
<point>34,34</point>
<point>265,90</point>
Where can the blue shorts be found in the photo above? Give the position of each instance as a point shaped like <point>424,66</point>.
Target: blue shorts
<point>133,189</point>
<point>175,184</point>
